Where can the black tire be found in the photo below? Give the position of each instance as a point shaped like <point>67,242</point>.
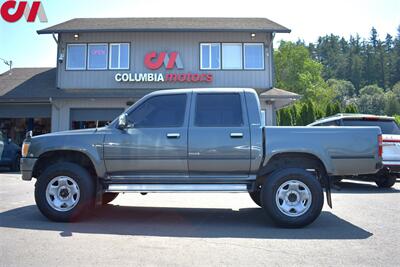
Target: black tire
<point>86,189</point>
<point>15,167</point>
<point>386,181</point>
<point>256,197</point>
<point>271,186</point>
<point>108,197</point>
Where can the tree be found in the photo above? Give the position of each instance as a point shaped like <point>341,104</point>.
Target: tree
<point>285,117</point>
<point>343,89</point>
<point>371,90</point>
<point>392,104</point>
<point>328,111</point>
<point>351,108</point>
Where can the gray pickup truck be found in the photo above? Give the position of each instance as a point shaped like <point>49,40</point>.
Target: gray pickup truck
<point>194,141</point>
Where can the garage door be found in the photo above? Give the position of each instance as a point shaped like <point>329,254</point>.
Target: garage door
<point>25,110</point>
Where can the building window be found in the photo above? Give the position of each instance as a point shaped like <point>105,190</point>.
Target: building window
<point>254,56</point>
<point>119,56</point>
<point>97,56</point>
<point>210,56</point>
<point>232,56</point>
<point>76,56</point>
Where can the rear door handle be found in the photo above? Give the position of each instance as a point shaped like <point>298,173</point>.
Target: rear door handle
<point>236,135</point>
<point>173,135</point>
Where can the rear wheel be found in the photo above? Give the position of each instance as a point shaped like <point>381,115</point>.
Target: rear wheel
<point>64,191</point>
<point>386,181</point>
<point>108,197</point>
<point>292,197</point>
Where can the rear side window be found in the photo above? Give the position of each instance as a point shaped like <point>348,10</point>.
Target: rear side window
<point>159,112</point>
<point>387,126</point>
<point>330,123</point>
<point>218,110</point>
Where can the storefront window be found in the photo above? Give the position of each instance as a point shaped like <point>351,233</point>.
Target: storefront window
<point>231,56</point>
<point>119,56</point>
<point>210,56</point>
<point>76,57</point>
<point>16,129</point>
<point>98,56</point>
<point>254,56</point>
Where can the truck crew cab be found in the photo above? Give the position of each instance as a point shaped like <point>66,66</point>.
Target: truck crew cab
<point>196,140</point>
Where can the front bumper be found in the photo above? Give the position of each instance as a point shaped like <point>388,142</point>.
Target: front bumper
<point>27,165</point>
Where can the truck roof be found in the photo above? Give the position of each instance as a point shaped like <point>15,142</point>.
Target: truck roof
<point>351,116</point>
<point>203,90</point>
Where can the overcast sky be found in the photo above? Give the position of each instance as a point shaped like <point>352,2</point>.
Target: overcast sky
<point>307,19</point>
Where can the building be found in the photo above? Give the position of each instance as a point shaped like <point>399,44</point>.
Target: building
<point>106,64</point>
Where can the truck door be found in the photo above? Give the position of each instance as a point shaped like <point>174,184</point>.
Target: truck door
<point>219,135</point>
<point>155,145</point>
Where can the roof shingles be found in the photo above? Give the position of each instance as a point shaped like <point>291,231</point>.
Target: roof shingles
<point>165,24</point>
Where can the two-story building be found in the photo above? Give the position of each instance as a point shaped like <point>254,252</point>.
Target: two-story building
<point>106,64</point>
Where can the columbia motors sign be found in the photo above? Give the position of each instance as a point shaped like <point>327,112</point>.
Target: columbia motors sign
<point>13,11</point>
<point>170,62</point>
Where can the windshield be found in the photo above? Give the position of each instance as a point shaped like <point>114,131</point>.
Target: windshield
<point>387,126</point>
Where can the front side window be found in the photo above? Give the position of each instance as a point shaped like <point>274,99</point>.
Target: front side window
<point>119,56</point>
<point>160,112</point>
<point>210,56</point>
<point>231,56</point>
<point>218,110</point>
<point>97,56</point>
<point>76,56</point>
<point>254,56</point>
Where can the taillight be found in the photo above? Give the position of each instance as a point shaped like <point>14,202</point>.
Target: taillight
<point>380,145</point>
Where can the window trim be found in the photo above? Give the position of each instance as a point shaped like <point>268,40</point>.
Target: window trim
<point>241,56</point>
<point>67,61</point>
<point>263,55</point>
<point>119,56</point>
<point>88,56</point>
<point>195,108</point>
<point>210,56</point>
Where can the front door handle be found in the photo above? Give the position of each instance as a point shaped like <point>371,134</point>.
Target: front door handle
<point>173,135</point>
<point>236,135</point>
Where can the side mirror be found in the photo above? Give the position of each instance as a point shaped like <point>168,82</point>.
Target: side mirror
<point>123,121</point>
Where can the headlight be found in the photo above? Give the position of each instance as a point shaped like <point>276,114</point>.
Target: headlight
<point>25,149</point>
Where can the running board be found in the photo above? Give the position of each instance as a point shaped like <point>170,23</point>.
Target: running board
<point>149,188</point>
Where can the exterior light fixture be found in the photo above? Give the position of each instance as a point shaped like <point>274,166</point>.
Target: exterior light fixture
<point>76,36</point>
<point>253,36</point>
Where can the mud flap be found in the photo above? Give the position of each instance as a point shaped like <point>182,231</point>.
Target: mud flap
<point>327,182</point>
<point>99,194</point>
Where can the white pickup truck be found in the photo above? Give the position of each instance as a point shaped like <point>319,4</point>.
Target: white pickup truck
<point>386,177</point>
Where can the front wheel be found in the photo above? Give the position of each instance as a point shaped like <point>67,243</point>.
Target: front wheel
<point>292,197</point>
<point>64,191</point>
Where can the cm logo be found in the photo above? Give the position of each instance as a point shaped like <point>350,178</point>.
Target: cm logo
<point>153,61</point>
<point>12,11</point>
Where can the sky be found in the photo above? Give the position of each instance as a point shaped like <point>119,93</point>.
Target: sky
<point>308,19</point>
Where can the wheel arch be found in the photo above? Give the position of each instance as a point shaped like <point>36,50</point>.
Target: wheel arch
<point>293,159</point>
<point>52,157</point>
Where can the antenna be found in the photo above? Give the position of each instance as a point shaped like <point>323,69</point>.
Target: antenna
<point>7,62</point>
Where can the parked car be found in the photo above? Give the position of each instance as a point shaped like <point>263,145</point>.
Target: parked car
<point>197,140</point>
<point>10,153</point>
<point>386,177</point>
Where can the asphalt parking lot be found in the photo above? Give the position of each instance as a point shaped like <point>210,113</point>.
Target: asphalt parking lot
<point>200,230</point>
